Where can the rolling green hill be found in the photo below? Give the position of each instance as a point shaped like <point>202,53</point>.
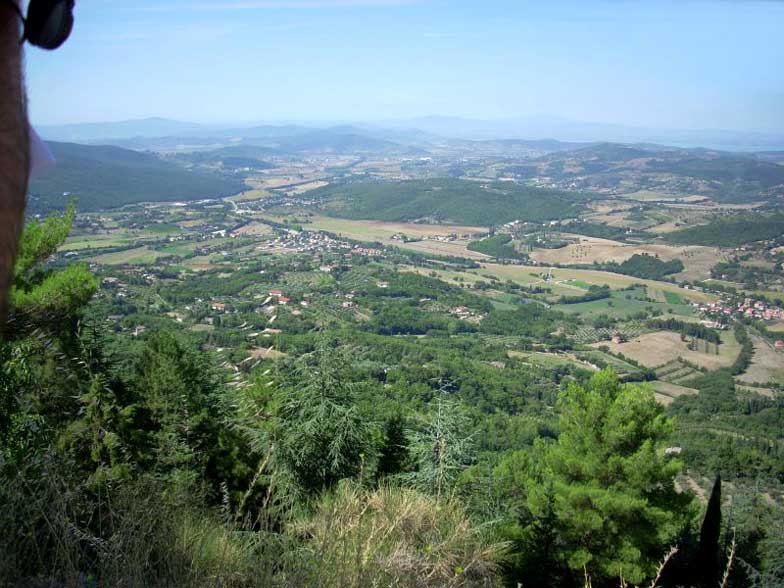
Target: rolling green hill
<point>456,201</point>
<point>724,177</point>
<point>101,177</point>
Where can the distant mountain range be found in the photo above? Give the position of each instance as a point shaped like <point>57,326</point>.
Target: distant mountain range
<point>720,175</point>
<point>569,130</point>
<point>168,135</point>
<point>126,129</point>
<point>396,135</point>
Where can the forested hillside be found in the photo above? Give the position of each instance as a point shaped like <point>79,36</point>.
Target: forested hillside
<point>731,231</point>
<point>103,177</point>
<point>457,201</point>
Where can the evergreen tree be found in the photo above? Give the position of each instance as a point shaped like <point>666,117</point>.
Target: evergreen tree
<point>393,453</point>
<point>707,565</point>
<point>319,434</point>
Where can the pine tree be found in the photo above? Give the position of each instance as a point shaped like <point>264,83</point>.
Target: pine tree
<point>612,486</point>
<point>43,295</point>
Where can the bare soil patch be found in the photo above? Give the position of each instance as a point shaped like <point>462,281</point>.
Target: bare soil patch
<point>254,229</point>
<point>697,260</point>
<point>767,364</point>
<point>667,392</point>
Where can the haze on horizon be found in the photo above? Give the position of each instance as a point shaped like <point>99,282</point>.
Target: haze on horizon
<point>689,64</point>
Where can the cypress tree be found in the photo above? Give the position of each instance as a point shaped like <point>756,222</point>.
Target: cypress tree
<point>707,566</point>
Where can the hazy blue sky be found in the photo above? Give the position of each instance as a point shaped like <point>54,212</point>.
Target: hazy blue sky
<point>664,63</point>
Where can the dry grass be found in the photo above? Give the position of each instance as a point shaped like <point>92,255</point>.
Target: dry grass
<point>143,533</point>
<point>396,537</point>
<point>261,353</point>
<point>767,392</point>
<point>656,349</point>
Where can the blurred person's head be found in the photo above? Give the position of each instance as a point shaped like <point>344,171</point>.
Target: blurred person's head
<point>47,24</point>
<point>14,145</point>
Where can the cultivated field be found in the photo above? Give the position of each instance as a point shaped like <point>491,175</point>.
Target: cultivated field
<point>302,188</point>
<point>623,304</point>
<point>249,196</point>
<point>767,392</point>
<point>551,359</point>
<point>698,261</point>
<point>137,256</point>
<point>272,183</point>
<point>179,248</point>
<point>452,277</point>
<point>94,242</point>
<point>254,230</point>
<point>368,230</point>
<point>452,248</point>
<point>767,364</point>
<point>573,278</point>
<point>666,392</point>
<point>656,349</point>
<point>650,195</point>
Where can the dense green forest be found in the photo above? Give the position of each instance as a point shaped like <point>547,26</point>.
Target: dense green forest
<point>497,246</point>
<point>458,201</point>
<point>739,178</point>
<point>602,231</point>
<point>732,231</point>
<point>102,177</point>
<point>644,266</point>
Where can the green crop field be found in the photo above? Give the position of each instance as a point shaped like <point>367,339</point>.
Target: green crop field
<point>90,242</point>
<point>137,256</point>
<point>625,303</point>
<point>580,284</point>
<point>673,298</point>
<point>163,229</point>
<point>523,275</point>
<point>178,248</point>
